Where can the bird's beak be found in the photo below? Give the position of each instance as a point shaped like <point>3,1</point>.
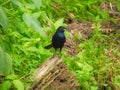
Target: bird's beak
<point>65,29</point>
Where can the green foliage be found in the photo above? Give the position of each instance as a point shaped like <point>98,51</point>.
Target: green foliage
<point>118,6</point>
<point>91,66</point>
<point>4,18</point>
<point>87,62</point>
<point>11,82</point>
<point>5,85</point>
<point>32,24</point>
<point>18,85</point>
<point>82,9</point>
<point>6,62</point>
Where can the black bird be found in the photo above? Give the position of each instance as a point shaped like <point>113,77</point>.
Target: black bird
<point>58,39</point>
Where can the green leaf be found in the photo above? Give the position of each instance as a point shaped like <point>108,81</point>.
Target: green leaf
<point>118,6</point>
<point>16,2</point>
<point>11,76</point>
<point>37,3</point>
<point>37,14</point>
<point>59,22</point>
<point>33,22</point>
<point>30,6</point>
<point>18,85</point>
<point>3,18</point>
<point>6,63</point>
<point>5,85</point>
<point>33,49</point>
<point>93,88</point>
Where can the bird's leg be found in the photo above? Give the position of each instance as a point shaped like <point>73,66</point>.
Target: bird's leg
<point>54,52</point>
<point>60,50</point>
<point>57,53</point>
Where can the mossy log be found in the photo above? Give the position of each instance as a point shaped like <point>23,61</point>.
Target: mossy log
<point>54,75</point>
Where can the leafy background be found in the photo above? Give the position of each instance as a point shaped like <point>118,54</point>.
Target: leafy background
<point>26,24</point>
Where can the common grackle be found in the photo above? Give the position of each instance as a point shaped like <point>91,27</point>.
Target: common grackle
<point>58,39</point>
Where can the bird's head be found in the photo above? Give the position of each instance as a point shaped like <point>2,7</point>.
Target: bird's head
<point>61,29</point>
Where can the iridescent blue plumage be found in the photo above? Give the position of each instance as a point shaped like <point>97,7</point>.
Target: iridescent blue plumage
<point>58,39</point>
<point>60,34</point>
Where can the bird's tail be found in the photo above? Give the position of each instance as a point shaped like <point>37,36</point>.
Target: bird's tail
<point>48,46</point>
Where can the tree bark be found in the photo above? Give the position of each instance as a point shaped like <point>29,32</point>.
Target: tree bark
<point>54,75</point>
